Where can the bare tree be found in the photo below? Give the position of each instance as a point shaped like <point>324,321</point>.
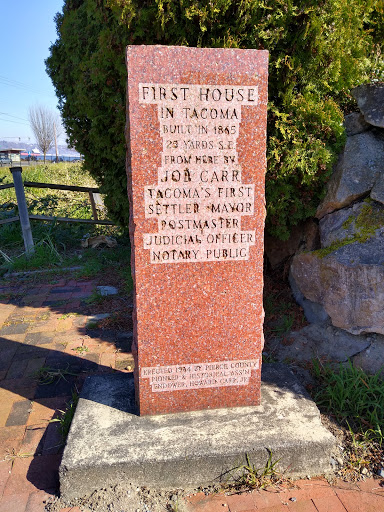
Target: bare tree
<point>43,122</point>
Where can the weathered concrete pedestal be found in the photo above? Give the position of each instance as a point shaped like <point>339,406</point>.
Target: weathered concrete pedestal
<point>109,443</point>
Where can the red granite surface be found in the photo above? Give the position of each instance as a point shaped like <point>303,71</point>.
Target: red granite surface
<point>190,313</point>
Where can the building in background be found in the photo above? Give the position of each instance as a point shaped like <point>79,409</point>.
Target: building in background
<point>10,156</point>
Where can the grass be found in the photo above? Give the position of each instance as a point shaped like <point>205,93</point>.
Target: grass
<point>356,401</point>
<point>48,202</point>
<point>57,245</point>
<point>81,349</point>
<point>354,397</point>
<point>66,416</point>
<point>248,476</point>
<point>47,375</point>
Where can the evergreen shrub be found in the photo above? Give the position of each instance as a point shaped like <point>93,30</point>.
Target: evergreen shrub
<point>319,50</point>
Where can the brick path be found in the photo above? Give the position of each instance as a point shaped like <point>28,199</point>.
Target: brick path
<point>40,327</point>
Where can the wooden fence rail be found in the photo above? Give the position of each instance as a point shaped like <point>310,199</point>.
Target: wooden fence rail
<point>24,216</point>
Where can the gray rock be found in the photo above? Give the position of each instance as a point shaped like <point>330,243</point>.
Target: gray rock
<point>348,283</point>
<point>314,312</point>
<point>370,99</point>
<point>377,193</point>
<point>347,223</point>
<point>93,320</point>
<point>320,341</point>
<point>355,123</point>
<point>372,359</point>
<point>359,167</point>
<point>107,290</point>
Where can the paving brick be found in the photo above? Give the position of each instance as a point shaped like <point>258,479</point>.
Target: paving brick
<point>240,502</point>
<point>6,356</point>
<point>7,309</point>
<point>71,509</point>
<point>328,504</point>
<point>10,441</point>
<point>31,352</point>
<point>37,501</point>
<point>5,409</point>
<point>16,369</point>
<point>34,365</point>
<point>53,441</point>
<point>64,325</point>
<point>59,296</point>
<point>5,471</point>
<point>48,326</point>
<point>14,503</point>
<point>38,338</point>
<point>374,485</point>
<point>46,408</point>
<point>16,328</point>
<point>23,387</point>
<point>18,338</point>
<point>301,506</point>
<point>276,508</point>
<point>19,413</point>
<point>42,314</point>
<point>82,295</point>
<point>357,501</point>
<point>62,387</point>
<point>73,306</point>
<point>108,359</point>
<point>32,474</point>
<point>265,499</point>
<point>32,443</point>
<point>65,289</point>
<point>202,503</point>
<point>308,489</point>
<point>35,300</point>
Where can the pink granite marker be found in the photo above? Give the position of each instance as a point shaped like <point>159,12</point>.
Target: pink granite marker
<point>196,136</point>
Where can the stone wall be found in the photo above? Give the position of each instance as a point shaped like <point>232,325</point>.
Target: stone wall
<point>342,283</point>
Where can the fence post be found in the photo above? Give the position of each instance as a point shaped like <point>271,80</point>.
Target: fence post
<point>23,210</point>
<point>93,205</point>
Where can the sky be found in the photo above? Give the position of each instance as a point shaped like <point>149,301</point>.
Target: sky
<point>27,31</point>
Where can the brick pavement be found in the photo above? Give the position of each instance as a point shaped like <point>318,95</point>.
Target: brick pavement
<point>42,326</point>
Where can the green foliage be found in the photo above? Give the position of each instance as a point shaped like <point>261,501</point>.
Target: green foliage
<point>355,398</point>
<point>319,50</point>
<point>66,416</point>
<point>55,243</point>
<point>248,476</point>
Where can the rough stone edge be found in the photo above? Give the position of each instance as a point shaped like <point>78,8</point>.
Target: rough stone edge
<point>308,458</point>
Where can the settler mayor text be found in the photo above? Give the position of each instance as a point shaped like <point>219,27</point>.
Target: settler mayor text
<point>199,198</point>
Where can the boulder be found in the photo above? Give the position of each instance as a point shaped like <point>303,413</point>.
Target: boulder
<point>313,311</point>
<point>359,221</point>
<point>355,123</point>
<point>348,283</point>
<point>358,171</point>
<point>323,342</point>
<point>377,193</point>
<point>371,360</point>
<point>370,99</point>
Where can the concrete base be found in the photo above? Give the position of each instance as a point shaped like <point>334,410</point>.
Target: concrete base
<point>108,443</point>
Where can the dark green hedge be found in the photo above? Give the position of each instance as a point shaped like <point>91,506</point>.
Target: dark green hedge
<point>319,49</point>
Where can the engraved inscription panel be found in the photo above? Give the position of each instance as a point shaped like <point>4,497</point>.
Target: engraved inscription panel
<point>199,198</point>
<point>202,375</point>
